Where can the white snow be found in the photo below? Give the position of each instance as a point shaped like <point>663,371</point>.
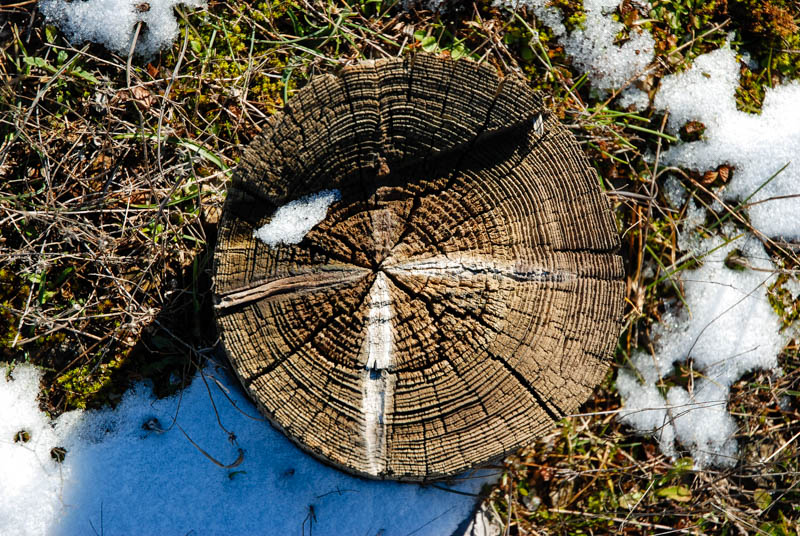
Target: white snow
<point>608,66</point>
<point>549,15</point>
<point>593,50</point>
<point>728,330</point>
<point>292,221</point>
<point>688,240</point>
<point>756,146</point>
<point>706,89</point>
<point>633,97</point>
<point>119,477</point>
<point>674,192</point>
<point>112,23</point>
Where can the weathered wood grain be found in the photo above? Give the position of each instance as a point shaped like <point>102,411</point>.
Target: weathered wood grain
<point>462,295</point>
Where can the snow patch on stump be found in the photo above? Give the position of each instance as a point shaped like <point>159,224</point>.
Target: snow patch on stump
<point>294,220</point>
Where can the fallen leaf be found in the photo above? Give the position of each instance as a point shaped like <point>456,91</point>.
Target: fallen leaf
<point>138,94</point>
<point>762,498</point>
<point>675,493</point>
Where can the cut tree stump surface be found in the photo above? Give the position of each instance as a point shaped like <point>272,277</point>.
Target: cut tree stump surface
<point>462,295</point>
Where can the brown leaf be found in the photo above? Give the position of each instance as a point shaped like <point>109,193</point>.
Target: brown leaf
<point>724,172</point>
<point>138,94</point>
<point>692,131</point>
<point>709,177</point>
<point>672,41</point>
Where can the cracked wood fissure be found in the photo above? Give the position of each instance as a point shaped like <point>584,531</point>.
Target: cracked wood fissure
<point>466,267</point>
<point>307,282</point>
<point>462,294</point>
<point>377,378</point>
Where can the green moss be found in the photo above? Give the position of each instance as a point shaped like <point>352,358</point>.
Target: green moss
<point>787,309</point>
<point>767,30</point>
<point>18,292</point>
<point>233,56</point>
<point>678,23</point>
<point>82,385</point>
<point>518,38</point>
<point>572,13</point>
<point>13,292</point>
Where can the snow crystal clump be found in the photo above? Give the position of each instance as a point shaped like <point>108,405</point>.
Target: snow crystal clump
<point>112,23</point>
<point>688,240</point>
<point>592,48</point>
<point>728,330</point>
<point>793,286</point>
<point>674,192</point>
<point>756,146</point>
<point>633,97</point>
<point>294,220</point>
<point>128,470</point>
<point>543,9</point>
<point>706,89</point>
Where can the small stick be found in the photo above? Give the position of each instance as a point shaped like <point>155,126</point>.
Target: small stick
<point>768,458</point>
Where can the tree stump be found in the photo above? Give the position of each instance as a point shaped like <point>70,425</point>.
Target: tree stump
<point>462,294</point>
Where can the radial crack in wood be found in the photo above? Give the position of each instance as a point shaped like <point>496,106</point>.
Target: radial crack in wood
<point>461,294</point>
<point>455,268</point>
<point>296,284</point>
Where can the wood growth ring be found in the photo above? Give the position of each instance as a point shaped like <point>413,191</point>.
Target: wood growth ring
<point>460,296</point>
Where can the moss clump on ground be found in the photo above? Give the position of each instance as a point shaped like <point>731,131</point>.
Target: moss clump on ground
<point>784,305</point>
<point>83,384</point>
<point>766,30</point>
<point>13,293</point>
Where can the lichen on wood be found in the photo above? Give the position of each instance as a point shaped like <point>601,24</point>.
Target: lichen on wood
<point>460,297</point>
